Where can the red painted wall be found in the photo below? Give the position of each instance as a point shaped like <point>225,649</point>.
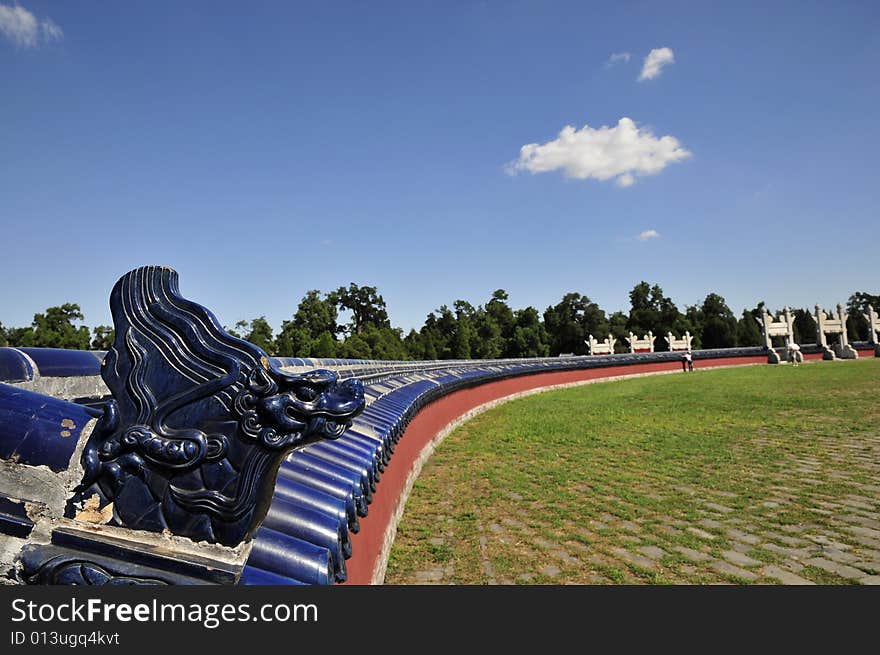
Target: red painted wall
<point>367,544</point>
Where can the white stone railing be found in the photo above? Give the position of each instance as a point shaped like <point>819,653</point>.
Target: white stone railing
<point>834,324</point>
<point>873,325</point>
<point>646,343</point>
<point>597,347</point>
<point>679,344</point>
<point>781,327</point>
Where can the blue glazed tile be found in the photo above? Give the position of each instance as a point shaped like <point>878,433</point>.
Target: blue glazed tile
<point>365,471</point>
<point>253,576</point>
<point>354,449</point>
<point>310,465</point>
<point>60,363</point>
<point>343,508</point>
<point>288,556</point>
<point>14,519</point>
<point>327,484</point>
<point>347,454</point>
<point>40,430</point>
<point>14,366</point>
<point>328,532</point>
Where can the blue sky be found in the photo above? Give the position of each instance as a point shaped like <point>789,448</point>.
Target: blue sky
<point>266,148</point>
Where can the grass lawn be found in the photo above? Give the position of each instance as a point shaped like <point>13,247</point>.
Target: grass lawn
<point>758,474</point>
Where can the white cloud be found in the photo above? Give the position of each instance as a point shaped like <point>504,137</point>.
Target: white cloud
<point>602,153</point>
<point>617,58</point>
<point>51,31</point>
<point>19,26</point>
<point>648,234</point>
<point>24,30</point>
<point>626,180</point>
<point>655,61</point>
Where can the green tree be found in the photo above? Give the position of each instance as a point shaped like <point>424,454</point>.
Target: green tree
<point>501,315</point>
<point>102,337</point>
<point>617,326</point>
<point>355,348</point>
<point>240,329</point>
<point>440,327</point>
<point>415,345</point>
<point>314,317</point>
<point>644,314</point>
<point>694,317</point>
<point>324,346</point>
<point>529,336</point>
<point>651,310</point>
<point>366,306</point>
<point>804,326</point>
<point>385,343</point>
<point>3,341</point>
<point>571,321</point>
<point>260,334</point>
<point>859,301</point>
<point>433,342</point>
<point>719,323</point>
<point>257,331</point>
<point>857,326</point>
<point>748,332</point>
<point>56,329</point>
<point>489,342</point>
<point>22,337</point>
<point>294,341</point>
<point>564,327</point>
<point>431,349</point>
<point>594,320</point>
<point>463,332</point>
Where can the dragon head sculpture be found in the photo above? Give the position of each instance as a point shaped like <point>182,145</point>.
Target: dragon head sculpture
<point>200,420</point>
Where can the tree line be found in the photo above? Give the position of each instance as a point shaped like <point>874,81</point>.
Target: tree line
<point>462,331</point>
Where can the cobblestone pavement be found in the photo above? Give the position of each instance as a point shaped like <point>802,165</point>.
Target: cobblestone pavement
<point>815,521</point>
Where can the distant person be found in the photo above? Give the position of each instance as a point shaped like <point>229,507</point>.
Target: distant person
<point>687,362</point>
<point>794,353</point>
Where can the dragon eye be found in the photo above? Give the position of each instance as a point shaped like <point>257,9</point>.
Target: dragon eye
<point>306,394</point>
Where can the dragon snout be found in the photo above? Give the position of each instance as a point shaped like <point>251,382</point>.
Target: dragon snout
<point>349,397</point>
<point>283,411</point>
<point>339,405</point>
<point>316,405</point>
